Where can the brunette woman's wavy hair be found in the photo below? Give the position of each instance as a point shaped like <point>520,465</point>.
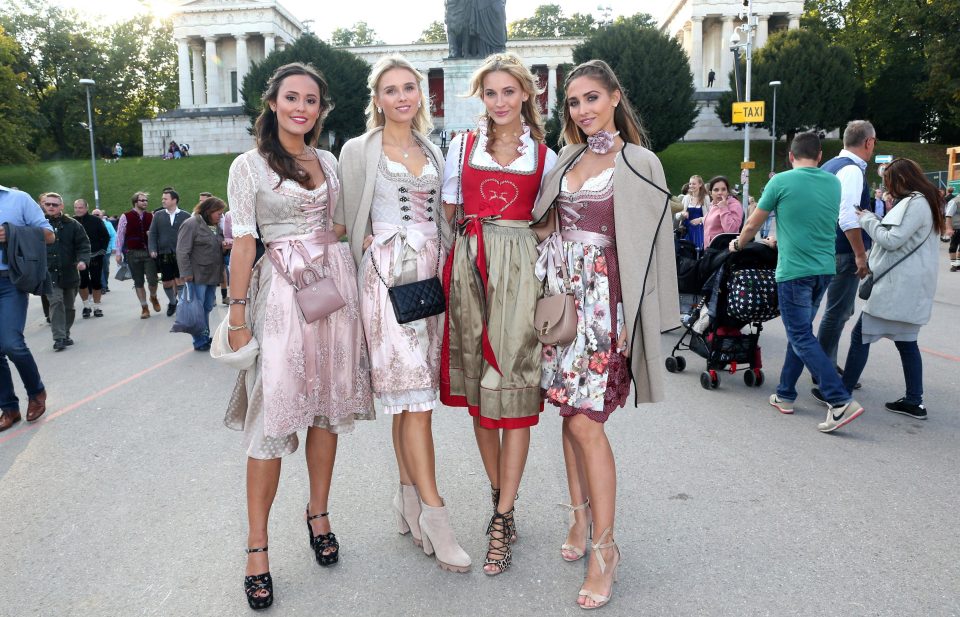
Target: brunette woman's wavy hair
<point>903,177</point>
<point>207,207</point>
<point>512,65</point>
<point>624,118</point>
<point>421,121</point>
<point>267,130</point>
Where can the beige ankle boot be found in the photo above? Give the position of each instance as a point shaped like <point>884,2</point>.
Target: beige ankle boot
<point>407,505</point>
<point>439,539</point>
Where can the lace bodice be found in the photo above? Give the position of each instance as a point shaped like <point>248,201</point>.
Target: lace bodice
<point>262,209</point>
<point>400,198</point>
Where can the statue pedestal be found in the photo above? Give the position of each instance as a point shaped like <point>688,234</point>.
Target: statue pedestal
<point>460,112</point>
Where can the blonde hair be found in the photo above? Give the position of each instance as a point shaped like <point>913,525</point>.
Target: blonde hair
<point>421,122</point>
<point>512,65</point>
<point>702,193</point>
<point>624,118</point>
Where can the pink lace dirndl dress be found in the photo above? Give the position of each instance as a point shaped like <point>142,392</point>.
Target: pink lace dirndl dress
<point>308,374</point>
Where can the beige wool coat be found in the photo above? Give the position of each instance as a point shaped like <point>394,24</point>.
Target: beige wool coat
<point>359,162</point>
<point>648,271</point>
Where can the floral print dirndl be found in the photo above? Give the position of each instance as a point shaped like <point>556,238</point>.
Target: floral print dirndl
<point>590,375</point>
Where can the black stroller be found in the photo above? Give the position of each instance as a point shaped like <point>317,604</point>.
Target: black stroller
<point>736,290</point>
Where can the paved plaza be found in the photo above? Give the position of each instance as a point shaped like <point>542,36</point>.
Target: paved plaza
<point>127,498</point>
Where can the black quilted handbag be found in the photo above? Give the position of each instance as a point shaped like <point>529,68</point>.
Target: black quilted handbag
<point>752,295</point>
<point>417,300</point>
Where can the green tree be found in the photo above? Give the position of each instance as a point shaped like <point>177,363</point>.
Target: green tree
<point>436,32</point>
<point>357,35</point>
<point>638,20</point>
<point>548,21</point>
<point>906,62</point>
<point>345,73</point>
<point>655,74</point>
<point>17,110</point>
<point>818,84</point>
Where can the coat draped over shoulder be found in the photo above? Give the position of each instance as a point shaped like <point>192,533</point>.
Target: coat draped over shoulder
<point>358,168</point>
<point>648,273</point>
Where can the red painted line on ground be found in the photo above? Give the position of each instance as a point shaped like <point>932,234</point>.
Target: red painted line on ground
<point>940,354</point>
<point>50,417</point>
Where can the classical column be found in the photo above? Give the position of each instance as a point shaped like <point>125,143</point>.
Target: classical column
<point>243,63</point>
<point>696,51</point>
<point>726,56</point>
<point>269,42</point>
<point>183,63</point>
<point>199,77</point>
<point>551,87</point>
<point>794,22</point>
<point>281,44</point>
<point>213,73</point>
<point>763,30</point>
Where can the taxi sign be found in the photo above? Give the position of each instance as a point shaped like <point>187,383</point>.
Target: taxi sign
<point>882,158</point>
<point>751,111</point>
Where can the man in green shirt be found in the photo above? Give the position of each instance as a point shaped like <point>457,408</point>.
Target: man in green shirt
<point>805,200</point>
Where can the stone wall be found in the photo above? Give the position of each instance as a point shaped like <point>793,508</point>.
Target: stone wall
<point>226,131</point>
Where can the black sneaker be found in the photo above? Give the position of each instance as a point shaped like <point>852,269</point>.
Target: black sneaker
<point>171,309</point>
<point>97,312</point>
<point>59,345</point>
<point>908,409</point>
<point>86,313</point>
<point>817,394</point>
<point>68,341</point>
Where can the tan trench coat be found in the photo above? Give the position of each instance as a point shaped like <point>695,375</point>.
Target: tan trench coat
<point>359,161</point>
<point>645,252</point>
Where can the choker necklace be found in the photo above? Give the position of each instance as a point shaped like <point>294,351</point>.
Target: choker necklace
<point>601,141</point>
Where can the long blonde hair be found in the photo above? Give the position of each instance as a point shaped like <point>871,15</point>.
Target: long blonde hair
<point>421,122</point>
<point>624,118</point>
<point>702,194</point>
<point>512,65</point>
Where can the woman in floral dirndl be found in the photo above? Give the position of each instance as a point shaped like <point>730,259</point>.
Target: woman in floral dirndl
<point>490,362</point>
<point>311,376</point>
<point>614,241</point>
<point>391,207</point>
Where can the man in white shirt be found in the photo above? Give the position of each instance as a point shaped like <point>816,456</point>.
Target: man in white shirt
<point>850,166</point>
<point>162,239</point>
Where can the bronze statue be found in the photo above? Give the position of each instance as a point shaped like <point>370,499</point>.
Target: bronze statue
<point>476,28</point>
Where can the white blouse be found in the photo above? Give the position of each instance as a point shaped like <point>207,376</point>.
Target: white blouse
<point>525,163</point>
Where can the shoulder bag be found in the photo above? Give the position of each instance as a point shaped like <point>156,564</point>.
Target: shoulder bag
<point>555,317</point>
<point>317,296</point>
<point>866,285</point>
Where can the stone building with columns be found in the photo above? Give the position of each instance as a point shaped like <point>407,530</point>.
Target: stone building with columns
<point>704,28</point>
<point>217,40</point>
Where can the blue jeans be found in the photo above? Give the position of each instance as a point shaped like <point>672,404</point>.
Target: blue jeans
<point>208,295</point>
<point>909,358</point>
<point>13,316</point>
<point>841,296</point>
<point>799,301</point>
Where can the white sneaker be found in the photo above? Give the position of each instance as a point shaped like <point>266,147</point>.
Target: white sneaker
<point>840,415</point>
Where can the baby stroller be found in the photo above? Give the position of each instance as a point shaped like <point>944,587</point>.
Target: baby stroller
<point>739,290</point>
<point>688,278</point>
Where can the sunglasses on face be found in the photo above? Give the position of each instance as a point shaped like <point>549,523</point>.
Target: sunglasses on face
<point>52,205</point>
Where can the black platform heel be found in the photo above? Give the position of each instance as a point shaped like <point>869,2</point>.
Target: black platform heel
<point>255,584</point>
<point>322,543</point>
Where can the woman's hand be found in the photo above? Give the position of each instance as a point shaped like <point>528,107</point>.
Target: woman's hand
<point>697,221</point>
<point>238,338</point>
<point>367,242</point>
<point>188,279</point>
<point>685,214</point>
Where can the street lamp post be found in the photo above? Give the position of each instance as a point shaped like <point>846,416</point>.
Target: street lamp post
<point>747,28</point>
<point>773,131</point>
<point>87,83</point>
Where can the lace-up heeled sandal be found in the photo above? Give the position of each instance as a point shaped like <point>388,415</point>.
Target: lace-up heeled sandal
<point>569,552</point>
<point>511,522</point>
<point>256,584</point>
<point>499,545</point>
<point>322,543</point>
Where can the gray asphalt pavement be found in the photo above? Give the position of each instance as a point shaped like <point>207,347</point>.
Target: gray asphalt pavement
<point>127,498</point>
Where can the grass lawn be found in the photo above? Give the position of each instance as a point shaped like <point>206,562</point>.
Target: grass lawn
<point>190,176</point>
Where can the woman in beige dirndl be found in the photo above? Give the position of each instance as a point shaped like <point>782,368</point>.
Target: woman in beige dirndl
<point>390,204</point>
<point>609,193</point>
<point>309,375</point>
<point>490,361</point>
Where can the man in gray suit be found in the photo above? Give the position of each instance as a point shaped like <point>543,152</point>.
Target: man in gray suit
<point>162,242</point>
